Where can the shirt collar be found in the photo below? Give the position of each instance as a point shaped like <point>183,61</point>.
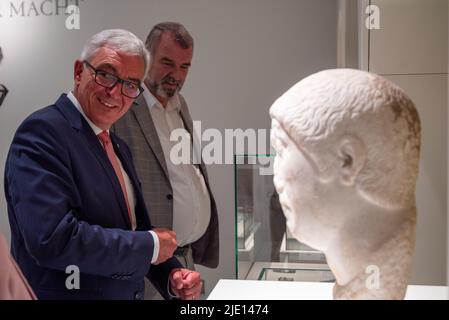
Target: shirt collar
<point>80,109</point>
<point>152,102</point>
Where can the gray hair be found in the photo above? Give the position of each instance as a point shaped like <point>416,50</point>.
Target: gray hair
<point>177,30</point>
<point>119,40</point>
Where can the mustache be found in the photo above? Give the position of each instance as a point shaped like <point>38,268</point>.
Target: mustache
<point>171,80</point>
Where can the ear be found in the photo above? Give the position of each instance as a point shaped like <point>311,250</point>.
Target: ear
<point>77,70</point>
<point>351,157</point>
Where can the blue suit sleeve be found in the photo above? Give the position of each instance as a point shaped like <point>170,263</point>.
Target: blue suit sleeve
<point>40,189</point>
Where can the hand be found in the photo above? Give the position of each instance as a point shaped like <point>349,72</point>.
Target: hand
<point>185,283</point>
<point>167,244</point>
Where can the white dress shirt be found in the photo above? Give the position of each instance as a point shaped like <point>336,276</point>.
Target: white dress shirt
<point>128,184</point>
<point>191,201</point>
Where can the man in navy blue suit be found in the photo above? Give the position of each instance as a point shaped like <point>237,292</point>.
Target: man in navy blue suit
<point>74,199</point>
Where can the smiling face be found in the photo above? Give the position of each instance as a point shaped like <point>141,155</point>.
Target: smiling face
<point>169,66</point>
<point>104,106</point>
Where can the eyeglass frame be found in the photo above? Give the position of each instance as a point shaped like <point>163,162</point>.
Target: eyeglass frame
<point>119,80</point>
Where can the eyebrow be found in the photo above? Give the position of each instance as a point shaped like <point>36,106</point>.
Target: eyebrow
<point>166,59</point>
<point>106,66</point>
<point>111,67</point>
<point>281,137</point>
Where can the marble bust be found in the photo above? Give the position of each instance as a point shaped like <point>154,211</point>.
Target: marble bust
<point>348,144</point>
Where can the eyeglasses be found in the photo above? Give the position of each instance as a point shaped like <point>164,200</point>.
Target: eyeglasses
<point>109,80</point>
<point>3,93</point>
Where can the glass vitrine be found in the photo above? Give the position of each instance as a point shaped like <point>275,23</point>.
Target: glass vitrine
<point>265,248</point>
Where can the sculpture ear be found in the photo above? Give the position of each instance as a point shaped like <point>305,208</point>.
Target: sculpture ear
<point>351,156</point>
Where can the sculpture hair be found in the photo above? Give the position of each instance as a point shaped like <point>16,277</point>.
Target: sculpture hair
<point>321,109</point>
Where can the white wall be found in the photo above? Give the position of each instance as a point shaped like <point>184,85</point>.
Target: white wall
<point>347,38</point>
<point>411,49</point>
<point>247,53</point>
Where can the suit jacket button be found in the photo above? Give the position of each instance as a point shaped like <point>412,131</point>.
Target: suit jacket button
<point>169,196</point>
<point>138,296</point>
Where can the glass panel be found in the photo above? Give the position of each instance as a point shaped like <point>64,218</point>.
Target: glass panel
<point>265,248</point>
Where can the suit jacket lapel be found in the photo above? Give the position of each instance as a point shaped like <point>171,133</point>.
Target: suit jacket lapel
<point>188,124</point>
<point>187,121</point>
<point>126,163</point>
<point>79,123</point>
<point>100,153</point>
<point>143,116</point>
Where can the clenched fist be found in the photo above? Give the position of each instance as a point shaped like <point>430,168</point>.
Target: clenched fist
<point>185,283</point>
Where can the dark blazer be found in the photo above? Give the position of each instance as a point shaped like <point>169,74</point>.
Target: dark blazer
<point>137,128</point>
<point>66,207</point>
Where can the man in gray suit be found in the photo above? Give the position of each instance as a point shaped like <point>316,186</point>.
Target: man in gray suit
<point>178,196</point>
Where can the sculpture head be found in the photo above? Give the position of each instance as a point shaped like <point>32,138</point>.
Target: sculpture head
<point>348,145</point>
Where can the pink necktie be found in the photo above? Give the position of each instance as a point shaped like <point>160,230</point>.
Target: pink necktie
<point>107,144</point>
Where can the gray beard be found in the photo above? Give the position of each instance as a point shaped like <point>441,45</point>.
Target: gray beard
<point>160,91</point>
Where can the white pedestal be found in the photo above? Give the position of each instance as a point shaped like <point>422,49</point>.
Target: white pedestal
<point>281,290</point>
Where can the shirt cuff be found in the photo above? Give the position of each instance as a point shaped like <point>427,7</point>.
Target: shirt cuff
<point>155,247</point>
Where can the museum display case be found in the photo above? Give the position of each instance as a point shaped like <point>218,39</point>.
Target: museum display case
<point>265,249</point>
